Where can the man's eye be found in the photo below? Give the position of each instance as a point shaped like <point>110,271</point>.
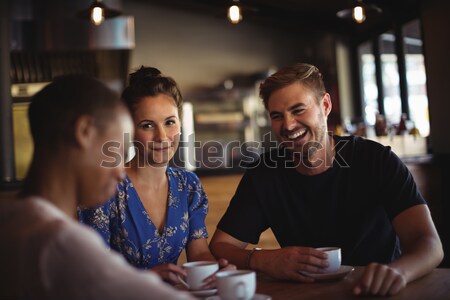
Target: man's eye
<point>298,111</point>
<point>275,117</point>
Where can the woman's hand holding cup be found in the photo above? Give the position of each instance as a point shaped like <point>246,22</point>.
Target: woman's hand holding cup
<point>210,282</point>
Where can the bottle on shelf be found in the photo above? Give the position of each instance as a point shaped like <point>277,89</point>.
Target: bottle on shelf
<point>380,125</point>
<point>414,131</point>
<point>401,129</point>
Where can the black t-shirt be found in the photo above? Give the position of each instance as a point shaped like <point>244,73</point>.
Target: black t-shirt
<point>351,205</point>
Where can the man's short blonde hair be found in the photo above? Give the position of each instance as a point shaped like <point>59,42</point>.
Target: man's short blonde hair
<point>303,73</point>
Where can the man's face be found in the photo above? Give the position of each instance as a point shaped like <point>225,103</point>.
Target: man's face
<point>299,121</point>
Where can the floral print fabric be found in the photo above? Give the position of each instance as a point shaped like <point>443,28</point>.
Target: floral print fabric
<point>126,227</point>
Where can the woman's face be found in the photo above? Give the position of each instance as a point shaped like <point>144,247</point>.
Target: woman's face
<point>157,130</point>
<point>102,164</point>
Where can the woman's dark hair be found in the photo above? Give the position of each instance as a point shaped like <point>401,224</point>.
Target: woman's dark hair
<point>148,81</point>
<point>306,74</point>
<point>55,109</point>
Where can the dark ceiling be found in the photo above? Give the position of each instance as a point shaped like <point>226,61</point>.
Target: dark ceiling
<point>309,15</point>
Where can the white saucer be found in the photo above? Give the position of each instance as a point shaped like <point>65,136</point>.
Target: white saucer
<point>204,293</point>
<point>341,273</point>
<point>255,297</point>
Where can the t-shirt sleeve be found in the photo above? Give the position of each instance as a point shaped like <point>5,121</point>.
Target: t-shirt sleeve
<point>76,265</point>
<point>244,218</point>
<point>198,207</point>
<point>99,218</point>
<point>399,188</point>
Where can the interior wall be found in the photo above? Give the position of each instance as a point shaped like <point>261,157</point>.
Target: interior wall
<point>203,50</point>
<point>435,23</point>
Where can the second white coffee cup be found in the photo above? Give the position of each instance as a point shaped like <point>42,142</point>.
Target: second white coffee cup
<point>334,258</point>
<point>197,272</point>
<point>236,284</point>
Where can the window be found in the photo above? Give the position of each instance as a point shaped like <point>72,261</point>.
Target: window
<point>390,78</point>
<point>369,82</point>
<point>416,77</point>
<point>385,95</point>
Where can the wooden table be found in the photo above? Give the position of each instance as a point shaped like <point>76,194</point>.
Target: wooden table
<point>436,285</point>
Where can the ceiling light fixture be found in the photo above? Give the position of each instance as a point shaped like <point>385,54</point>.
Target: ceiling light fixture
<point>98,12</point>
<point>235,12</point>
<point>358,12</point>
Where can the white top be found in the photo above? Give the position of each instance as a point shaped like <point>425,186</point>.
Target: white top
<point>46,255</point>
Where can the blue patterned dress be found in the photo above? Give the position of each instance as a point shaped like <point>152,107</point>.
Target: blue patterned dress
<point>127,228</point>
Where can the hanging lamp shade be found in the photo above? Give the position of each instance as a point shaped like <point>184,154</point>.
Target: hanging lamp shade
<point>235,12</point>
<point>98,12</point>
<point>359,11</point>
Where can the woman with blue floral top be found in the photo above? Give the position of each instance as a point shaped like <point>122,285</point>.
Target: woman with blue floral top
<point>158,210</point>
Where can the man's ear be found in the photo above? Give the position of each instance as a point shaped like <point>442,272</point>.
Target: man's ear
<point>85,131</point>
<point>326,104</point>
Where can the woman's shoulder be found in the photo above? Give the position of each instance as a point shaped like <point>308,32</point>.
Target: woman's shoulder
<point>46,223</point>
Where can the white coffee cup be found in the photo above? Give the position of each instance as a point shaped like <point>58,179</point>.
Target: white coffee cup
<point>197,272</point>
<point>334,258</point>
<point>236,284</point>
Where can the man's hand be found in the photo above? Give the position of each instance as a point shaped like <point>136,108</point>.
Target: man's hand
<point>286,263</point>
<point>380,280</point>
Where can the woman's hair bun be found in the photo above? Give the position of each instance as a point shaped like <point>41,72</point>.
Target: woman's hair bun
<point>143,75</point>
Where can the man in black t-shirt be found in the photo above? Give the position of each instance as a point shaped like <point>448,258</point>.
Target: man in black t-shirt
<point>320,190</point>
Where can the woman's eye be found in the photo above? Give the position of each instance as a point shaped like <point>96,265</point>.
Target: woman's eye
<point>171,122</point>
<point>147,125</point>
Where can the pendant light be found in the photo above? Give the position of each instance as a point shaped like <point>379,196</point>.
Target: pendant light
<point>98,12</point>
<point>358,12</point>
<point>235,12</point>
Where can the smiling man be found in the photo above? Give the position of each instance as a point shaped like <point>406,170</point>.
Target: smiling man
<point>299,121</point>
<point>320,190</point>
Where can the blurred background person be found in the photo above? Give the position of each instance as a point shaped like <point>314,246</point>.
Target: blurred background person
<point>46,253</point>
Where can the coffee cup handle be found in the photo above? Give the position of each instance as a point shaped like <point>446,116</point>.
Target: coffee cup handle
<point>183,282</point>
<point>240,290</point>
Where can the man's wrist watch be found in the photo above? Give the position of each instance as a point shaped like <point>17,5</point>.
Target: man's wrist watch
<point>249,257</point>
